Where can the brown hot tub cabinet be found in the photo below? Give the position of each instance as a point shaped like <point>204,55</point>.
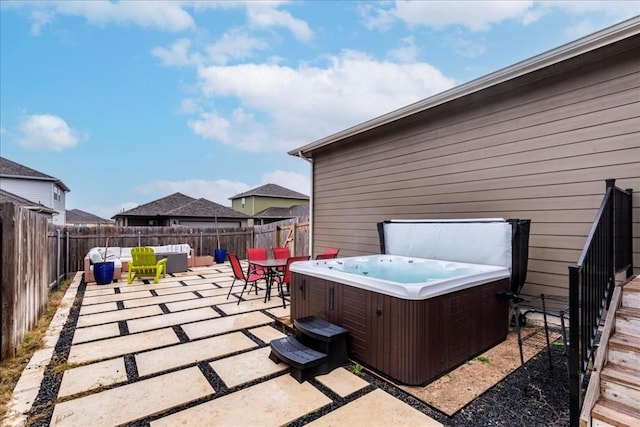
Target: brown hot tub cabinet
<point>410,341</point>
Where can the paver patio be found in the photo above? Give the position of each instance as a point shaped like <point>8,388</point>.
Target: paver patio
<point>180,353</point>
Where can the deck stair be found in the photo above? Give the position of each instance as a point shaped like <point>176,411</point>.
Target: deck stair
<point>617,397</point>
<point>318,348</point>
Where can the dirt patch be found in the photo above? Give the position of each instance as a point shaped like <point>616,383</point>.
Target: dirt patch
<point>456,389</point>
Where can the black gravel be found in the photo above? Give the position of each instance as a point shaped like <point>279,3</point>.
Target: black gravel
<point>533,395</point>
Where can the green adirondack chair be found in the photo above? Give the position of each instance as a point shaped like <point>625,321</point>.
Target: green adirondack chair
<point>144,264</point>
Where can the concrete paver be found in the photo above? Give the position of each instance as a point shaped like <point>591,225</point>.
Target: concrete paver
<point>342,382</point>
<point>267,333</point>
<point>141,302</point>
<point>377,408</point>
<point>91,333</point>
<point>98,308</point>
<point>199,302</point>
<point>246,367</point>
<point>111,347</point>
<point>114,316</point>
<point>188,353</point>
<point>225,324</point>
<point>89,377</point>
<point>114,297</point>
<point>272,403</point>
<point>170,319</point>
<point>251,305</point>
<point>132,401</point>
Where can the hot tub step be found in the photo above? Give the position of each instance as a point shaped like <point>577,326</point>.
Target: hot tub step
<point>319,329</point>
<point>305,362</point>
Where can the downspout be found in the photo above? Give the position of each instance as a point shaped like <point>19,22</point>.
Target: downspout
<point>310,203</point>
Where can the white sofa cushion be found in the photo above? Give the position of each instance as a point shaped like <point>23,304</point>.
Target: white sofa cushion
<point>94,255</point>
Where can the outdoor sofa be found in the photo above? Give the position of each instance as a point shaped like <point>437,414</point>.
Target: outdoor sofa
<point>121,256</point>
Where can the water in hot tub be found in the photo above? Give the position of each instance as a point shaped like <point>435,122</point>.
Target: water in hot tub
<point>401,271</point>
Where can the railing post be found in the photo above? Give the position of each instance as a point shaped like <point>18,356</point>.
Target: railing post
<point>575,370</point>
<point>629,215</point>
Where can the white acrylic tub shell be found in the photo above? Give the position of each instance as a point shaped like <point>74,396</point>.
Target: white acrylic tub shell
<point>470,275</point>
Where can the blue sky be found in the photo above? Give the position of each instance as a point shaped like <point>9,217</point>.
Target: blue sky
<point>127,102</point>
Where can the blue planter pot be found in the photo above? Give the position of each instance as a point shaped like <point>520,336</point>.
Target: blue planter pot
<point>220,255</point>
<point>103,272</point>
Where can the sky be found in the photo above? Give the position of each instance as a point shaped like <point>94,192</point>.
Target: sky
<point>127,102</point>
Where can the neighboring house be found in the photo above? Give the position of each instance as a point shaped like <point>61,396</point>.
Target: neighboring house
<point>5,196</point>
<point>78,218</point>
<point>34,186</point>
<point>257,200</point>
<point>181,210</point>
<point>534,140</point>
<point>278,214</point>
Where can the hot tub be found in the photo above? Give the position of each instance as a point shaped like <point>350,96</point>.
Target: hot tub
<point>414,328</point>
<point>436,297</point>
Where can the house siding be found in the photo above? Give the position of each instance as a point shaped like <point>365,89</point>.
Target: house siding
<point>38,192</point>
<point>539,147</point>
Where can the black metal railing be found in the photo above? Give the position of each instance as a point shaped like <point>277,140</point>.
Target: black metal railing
<point>608,250</point>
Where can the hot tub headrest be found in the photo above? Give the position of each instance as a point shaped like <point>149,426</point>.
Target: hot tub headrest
<point>493,241</point>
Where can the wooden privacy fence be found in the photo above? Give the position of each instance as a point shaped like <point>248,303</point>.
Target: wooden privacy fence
<point>26,262</point>
<point>36,255</point>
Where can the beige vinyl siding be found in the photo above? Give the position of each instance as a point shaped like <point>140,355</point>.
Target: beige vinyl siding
<point>537,147</point>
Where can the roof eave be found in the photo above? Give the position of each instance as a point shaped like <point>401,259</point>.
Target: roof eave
<point>570,50</point>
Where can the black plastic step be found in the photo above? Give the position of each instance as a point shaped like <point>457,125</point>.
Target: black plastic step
<point>319,329</point>
<point>295,354</point>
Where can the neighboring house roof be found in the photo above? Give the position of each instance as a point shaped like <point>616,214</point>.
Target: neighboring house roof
<point>6,196</point>
<point>76,216</point>
<point>272,190</point>
<point>178,204</point>
<point>10,169</point>
<point>567,51</point>
<point>293,211</point>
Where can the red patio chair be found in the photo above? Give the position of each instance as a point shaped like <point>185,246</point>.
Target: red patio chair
<point>285,277</point>
<point>238,274</point>
<point>256,254</point>
<point>281,252</point>
<point>331,251</point>
<point>326,256</point>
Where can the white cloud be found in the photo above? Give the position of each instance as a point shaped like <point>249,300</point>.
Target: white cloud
<point>407,52</point>
<point>481,15</point>
<point>217,191</point>
<point>298,105</point>
<point>264,15</point>
<point>292,180</point>
<point>48,132</point>
<point>234,44</point>
<point>469,47</point>
<point>177,54</point>
<point>164,15</point>
<point>474,15</point>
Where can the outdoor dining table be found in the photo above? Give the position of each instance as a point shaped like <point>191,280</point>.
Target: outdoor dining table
<point>273,267</point>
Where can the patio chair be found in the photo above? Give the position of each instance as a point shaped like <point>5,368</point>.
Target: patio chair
<point>256,254</point>
<point>238,274</point>
<point>326,256</point>
<point>144,264</point>
<point>282,252</point>
<point>285,277</point>
<point>331,251</point>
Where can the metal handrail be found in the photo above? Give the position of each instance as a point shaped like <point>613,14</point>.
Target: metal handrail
<point>608,250</point>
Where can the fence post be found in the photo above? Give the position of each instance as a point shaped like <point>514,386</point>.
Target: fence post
<point>139,238</point>
<point>66,264</point>
<point>57,258</point>
<point>200,246</point>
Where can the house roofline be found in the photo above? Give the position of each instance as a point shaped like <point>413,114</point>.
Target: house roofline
<point>38,178</point>
<point>605,37</point>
